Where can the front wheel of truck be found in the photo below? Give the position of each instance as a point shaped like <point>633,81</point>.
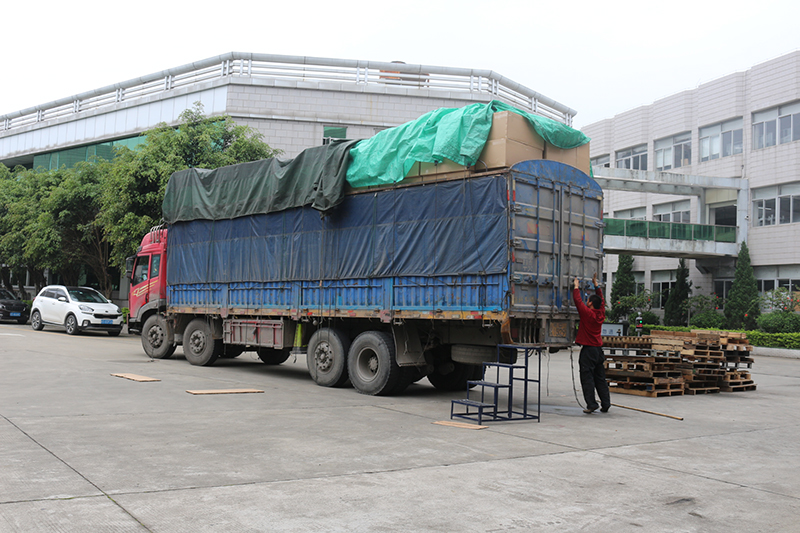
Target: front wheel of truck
<point>158,337</point>
<point>199,345</point>
<point>327,357</point>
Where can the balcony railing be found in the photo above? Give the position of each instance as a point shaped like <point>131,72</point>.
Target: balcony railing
<point>669,230</point>
<point>299,70</point>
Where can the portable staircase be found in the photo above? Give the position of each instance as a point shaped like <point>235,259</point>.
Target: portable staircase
<point>516,377</point>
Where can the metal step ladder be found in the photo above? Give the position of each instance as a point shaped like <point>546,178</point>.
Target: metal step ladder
<point>516,377</point>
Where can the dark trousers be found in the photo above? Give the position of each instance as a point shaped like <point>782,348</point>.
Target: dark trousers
<point>593,376</point>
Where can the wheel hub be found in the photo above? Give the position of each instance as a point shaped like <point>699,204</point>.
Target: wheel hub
<point>156,336</point>
<point>324,358</point>
<point>197,342</point>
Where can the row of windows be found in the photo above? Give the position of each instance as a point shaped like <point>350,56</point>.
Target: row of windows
<point>779,204</point>
<point>778,125</point>
<point>72,156</point>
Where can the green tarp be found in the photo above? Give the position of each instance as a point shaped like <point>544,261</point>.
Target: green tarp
<point>456,134</point>
<point>317,176</point>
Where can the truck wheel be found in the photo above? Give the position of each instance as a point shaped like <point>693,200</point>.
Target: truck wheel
<point>158,339</point>
<point>199,346</point>
<point>456,379</point>
<point>372,365</point>
<point>271,356</point>
<point>71,325</point>
<point>36,321</point>
<point>327,357</point>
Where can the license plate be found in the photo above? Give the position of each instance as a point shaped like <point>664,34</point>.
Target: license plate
<point>106,321</point>
<point>15,314</point>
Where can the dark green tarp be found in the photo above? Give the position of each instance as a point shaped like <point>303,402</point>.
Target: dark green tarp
<point>316,177</point>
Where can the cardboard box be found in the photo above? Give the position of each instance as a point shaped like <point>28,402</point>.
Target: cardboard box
<point>576,157</point>
<point>501,153</point>
<point>514,127</point>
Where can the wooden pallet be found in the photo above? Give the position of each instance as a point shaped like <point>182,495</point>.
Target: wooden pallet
<point>701,390</point>
<point>739,388</point>
<point>650,393</point>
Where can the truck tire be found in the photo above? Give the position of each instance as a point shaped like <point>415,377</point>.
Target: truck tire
<point>457,378</point>
<point>272,356</point>
<point>158,339</point>
<point>199,346</point>
<point>372,365</point>
<point>327,357</point>
<point>231,351</point>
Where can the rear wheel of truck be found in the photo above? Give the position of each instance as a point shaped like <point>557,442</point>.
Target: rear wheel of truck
<point>372,365</point>
<point>199,345</point>
<point>327,357</point>
<point>158,338</point>
<point>231,351</point>
<point>272,356</point>
<point>454,376</point>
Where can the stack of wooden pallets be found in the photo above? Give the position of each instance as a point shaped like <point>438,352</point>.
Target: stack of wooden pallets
<point>671,363</point>
<point>634,365</point>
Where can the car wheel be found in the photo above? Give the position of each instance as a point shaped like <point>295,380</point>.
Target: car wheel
<point>36,321</point>
<point>71,325</point>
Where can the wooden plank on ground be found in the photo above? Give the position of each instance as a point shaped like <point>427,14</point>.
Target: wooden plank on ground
<point>461,425</point>
<point>135,377</point>
<point>225,391</point>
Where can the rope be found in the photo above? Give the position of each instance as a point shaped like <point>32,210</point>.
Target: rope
<point>572,366</point>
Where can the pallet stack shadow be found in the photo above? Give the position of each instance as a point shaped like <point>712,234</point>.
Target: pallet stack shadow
<point>668,363</point>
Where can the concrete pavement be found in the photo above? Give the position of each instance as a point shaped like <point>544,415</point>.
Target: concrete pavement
<point>84,451</point>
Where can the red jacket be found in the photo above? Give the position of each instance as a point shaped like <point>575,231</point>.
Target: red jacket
<point>591,320</point>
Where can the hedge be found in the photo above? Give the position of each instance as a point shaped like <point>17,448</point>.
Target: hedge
<point>757,338</point>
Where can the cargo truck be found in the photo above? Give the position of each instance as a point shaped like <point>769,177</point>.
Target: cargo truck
<point>425,277</point>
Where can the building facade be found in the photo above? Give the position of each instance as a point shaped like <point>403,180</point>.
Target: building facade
<point>744,125</point>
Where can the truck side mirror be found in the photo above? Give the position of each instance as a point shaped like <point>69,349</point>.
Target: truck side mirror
<point>129,266</point>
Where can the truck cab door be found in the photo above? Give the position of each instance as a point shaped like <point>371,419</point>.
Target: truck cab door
<point>140,284</point>
<point>154,283</point>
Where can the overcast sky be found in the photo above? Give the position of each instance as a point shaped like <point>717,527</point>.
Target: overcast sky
<point>600,58</point>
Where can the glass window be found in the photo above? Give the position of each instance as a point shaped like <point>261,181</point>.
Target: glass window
<point>155,266</point>
<point>676,152</point>
<point>140,270</point>
<point>769,133</point>
<point>634,158</point>
<point>785,129</point>
<point>785,209</point>
<point>601,161</point>
<point>83,294</point>
<point>796,122</point>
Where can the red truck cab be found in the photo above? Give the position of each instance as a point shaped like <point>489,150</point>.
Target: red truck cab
<point>148,277</point>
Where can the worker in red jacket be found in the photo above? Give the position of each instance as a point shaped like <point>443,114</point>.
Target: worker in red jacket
<point>592,370</point>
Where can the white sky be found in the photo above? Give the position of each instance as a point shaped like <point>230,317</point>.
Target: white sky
<point>600,58</point>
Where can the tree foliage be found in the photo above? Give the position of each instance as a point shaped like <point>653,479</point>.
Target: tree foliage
<point>96,213</point>
<point>675,306</point>
<point>742,307</point>
<point>624,285</point>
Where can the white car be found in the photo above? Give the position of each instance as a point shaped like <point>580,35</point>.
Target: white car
<point>75,309</point>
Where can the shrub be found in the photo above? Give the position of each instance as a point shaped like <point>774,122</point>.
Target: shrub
<point>707,319</point>
<point>779,322</point>
<point>649,317</point>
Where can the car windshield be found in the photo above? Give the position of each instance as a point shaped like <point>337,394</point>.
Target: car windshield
<point>6,295</point>
<point>87,295</point>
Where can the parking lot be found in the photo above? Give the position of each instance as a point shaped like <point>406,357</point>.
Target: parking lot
<point>85,451</point>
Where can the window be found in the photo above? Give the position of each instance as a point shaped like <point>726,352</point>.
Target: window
<point>662,282</point>
<point>140,270</point>
<point>634,158</point>
<point>777,205</point>
<point>673,212</point>
<point>601,161</point>
<point>778,125</point>
<point>721,140</point>
<point>155,266</point>
<point>333,132</point>
<point>638,213</point>
<point>721,288</point>
<point>674,152</point>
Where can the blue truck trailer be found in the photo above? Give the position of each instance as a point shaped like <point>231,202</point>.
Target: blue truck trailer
<point>394,283</point>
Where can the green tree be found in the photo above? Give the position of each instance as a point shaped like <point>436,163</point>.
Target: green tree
<point>136,179</point>
<point>742,306</point>
<point>675,308</point>
<point>624,285</point>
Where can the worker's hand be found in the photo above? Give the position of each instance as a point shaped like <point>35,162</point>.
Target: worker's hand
<point>594,280</point>
<point>576,284</point>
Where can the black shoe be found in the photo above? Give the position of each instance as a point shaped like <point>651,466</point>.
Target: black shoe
<point>604,409</point>
<point>589,411</point>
